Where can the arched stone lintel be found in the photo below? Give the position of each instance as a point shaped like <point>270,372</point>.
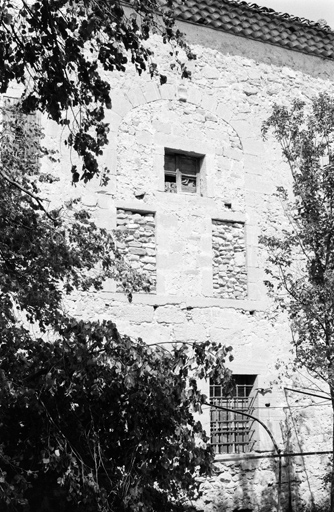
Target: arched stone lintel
<point>124,102</point>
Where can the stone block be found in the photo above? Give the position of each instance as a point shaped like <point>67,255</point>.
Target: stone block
<point>256,275</point>
<point>89,199</point>
<point>252,256</point>
<point>204,261</point>
<point>154,334</point>
<point>168,261</point>
<point>114,120</point>
<point>254,292</point>
<point>144,137</point>
<point>136,96</point>
<point>224,112</point>
<point>233,153</point>
<point>148,268</point>
<point>194,94</point>
<point>138,313</point>
<point>151,91</point>
<point>179,131</point>
<point>217,335</point>
<point>105,219</point>
<point>210,72</point>
<point>227,319</point>
<point>254,145</point>
<point>110,161</point>
<point>253,184</point>
<point>209,103</point>
<point>224,163</point>
<point>120,104</point>
<point>148,259</point>
<point>109,285</point>
<point>131,257</point>
<point>168,92</point>
<point>243,128</point>
<point>104,199</point>
<point>252,234</point>
<point>239,259</point>
<point>168,220</point>
<point>190,332</point>
<point>195,134</point>
<point>162,127</point>
<point>250,90</point>
<point>200,316</point>
<point>170,314</point>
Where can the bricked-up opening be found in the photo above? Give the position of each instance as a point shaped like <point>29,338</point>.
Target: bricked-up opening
<point>182,173</point>
<point>229,260</point>
<point>137,242</point>
<point>232,432</point>
<point>24,132</point>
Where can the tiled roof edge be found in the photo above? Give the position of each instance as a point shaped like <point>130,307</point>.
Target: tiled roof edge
<point>259,23</point>
<point>283,16</point>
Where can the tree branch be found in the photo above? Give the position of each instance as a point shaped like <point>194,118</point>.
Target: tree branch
<point>25,191</point>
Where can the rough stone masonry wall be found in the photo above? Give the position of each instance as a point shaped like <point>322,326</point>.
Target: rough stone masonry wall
<point>252,484</point>
<point>233,486</point>
<point>229,260</point>
<point>137,242</point>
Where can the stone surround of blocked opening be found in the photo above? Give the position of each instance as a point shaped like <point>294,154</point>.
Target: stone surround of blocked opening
<point>137,242</point>
<point>229,260</point>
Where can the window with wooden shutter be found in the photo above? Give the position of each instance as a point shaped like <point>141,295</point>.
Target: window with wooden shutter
<point>182,173</point>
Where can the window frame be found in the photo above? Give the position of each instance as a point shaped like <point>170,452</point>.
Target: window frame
<point>178,155</point>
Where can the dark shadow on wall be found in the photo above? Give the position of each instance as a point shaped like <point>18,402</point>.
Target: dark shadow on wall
<point>297,490</point>
<point>276,496</point>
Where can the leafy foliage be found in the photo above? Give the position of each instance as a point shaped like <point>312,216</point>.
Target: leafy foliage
<point>90,421</point>
<point>61,50</point>
<point>306,135</point>
<point>304,253</point>
<point>100,421</point>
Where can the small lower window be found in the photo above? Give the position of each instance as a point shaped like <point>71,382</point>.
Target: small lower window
<point>232,432</point>
<point>182,173</point>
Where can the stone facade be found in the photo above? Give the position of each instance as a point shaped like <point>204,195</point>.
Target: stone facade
<point>229,260</point>
<point>216,116</point>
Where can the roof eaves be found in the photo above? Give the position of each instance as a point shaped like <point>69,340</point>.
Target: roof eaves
<point>260,24</point>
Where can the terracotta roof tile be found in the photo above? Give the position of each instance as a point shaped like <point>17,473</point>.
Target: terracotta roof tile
<point>259,23</point>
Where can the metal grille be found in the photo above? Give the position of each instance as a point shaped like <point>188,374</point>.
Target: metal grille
<point>232,432</point>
